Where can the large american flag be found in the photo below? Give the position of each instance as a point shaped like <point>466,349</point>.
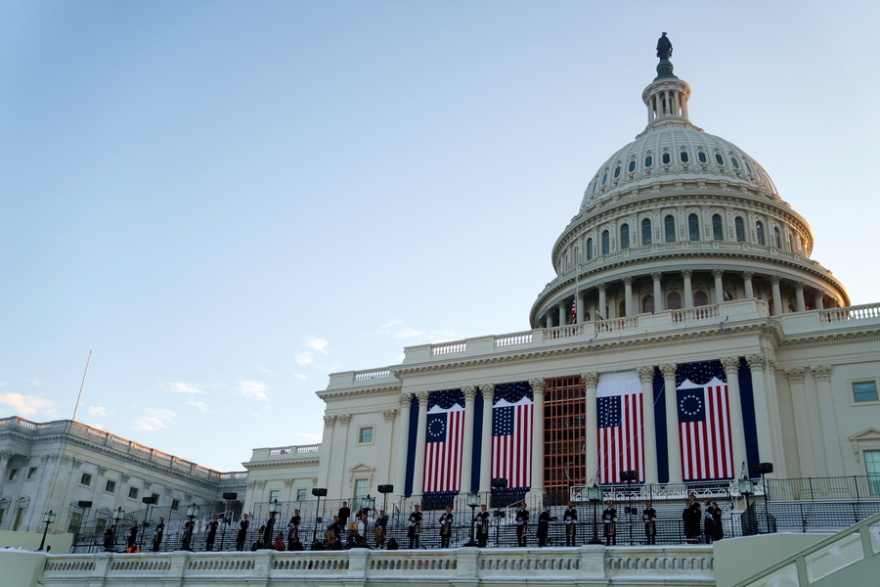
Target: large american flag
<point>621,439</point>
<point>444,435</point>
<point>704,429</point>
<point>512,415</point>
<point>573,313</point>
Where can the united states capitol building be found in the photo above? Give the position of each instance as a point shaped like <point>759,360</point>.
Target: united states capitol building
<point>686,339</point>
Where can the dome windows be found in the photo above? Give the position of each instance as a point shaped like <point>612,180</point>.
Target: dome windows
<point>735,163</point>
<point>673,301</point>
<point>624,236</point>
<point>649,161</point>
<point>632,166</point>
<point>589,249</point>
<point>683,156</point>
<point>701,157</point>
<point>777,237</point>
<point>693,227</point>
<point>666,159</point>
<point>719,159</point>
<point>748,167</point>
<point>700,299</point>
<point>669,228</point>
<point>606,242</point>
<point>740,228</point>
<point>717,228</point>
<point>646,232</point>
<point>759,233</point>
<point>605,178</point>
<point>617,172</point>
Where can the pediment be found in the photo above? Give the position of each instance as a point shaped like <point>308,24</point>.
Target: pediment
<point>867,439</point>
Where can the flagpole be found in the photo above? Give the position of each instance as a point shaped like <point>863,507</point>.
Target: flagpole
<point>81,385</point>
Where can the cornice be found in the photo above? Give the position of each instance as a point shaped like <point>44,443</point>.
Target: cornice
<point>325,394</point>
<point>250,466</point>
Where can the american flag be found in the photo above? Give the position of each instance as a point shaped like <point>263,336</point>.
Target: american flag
<point>444,435</point>
<point>512,434</point>
<point>704,429</point>
<point>621,442</point>
<point>573,314</point>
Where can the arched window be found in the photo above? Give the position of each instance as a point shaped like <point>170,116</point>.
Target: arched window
<point>693,227</point>
<point>606,242</point>
<point>790,243</point>
<point>701,156</point>
<point>617,172</point>
<point>632,166</point>
<point>673,301</point>
<point>589,249</point>
<point>719,159</point>
<point>683,156</point>
<point>740,230</point>
<point>717,228</point>
<point>646,232</point>
<point>648,304</point>
<point>777,237</point>
<point>577,255</point>
<point>649,161</point>
<point>624,236</point>
<point>700,298</point>
<point>669,228</point>
<point>605,178</point>
<point>759,231</point>
<point>666,159</point>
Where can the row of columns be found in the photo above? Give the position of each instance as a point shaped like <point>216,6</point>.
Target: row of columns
<point>766,411</point>
<point>563,308</point>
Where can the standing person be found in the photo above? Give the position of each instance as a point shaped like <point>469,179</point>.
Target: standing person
<point>241,536</point>
<point>278,543</point>
<point>543,527</point>
<point>719,526</point>
<point>522,524</point>
<point>609,521</point>
<point>415,526</point>
<point>379,529</point>
<point>269,531</point>
<point>131,539</point>
<point>186,540</point>
<point>482,522</point>
<point>158,534</point>
<point>570,519</point>
<point>110,538</point>
<point>211,534</point>
<point>708,522</point>
<point>343,515</point>
<point>293,529</point>
<point>362,528</point>
<point>332,529</point>
<point>446,527</point>
<point>649,517</point>
<point>692,516</point>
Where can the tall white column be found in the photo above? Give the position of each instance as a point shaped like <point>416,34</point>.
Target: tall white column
<point>591,380</point>
<point>766,415</point>
<point>688,288</point>
<point>563,313</point>
<point>737,430</point>
<point>673,443</point>
<point>718,274</point>
<point>646,377</point>
<point>659,302</point>
<point>747,284</point>
<point>467,446</point>
<point>799,295</point>
<point>817,300</point>
<point>807,457</point>
<point>603,310</point>
<point>628,294</point>
<point>488,392</point>
<point>326,445</point>
<point>831,439</point>
<point>580,307</point>
<point>777,295</point>
<point>402,444</point>
<point>419,468</point>
<point>538,387</point>
<point>338,483</point>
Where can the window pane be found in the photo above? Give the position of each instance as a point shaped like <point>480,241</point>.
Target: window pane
<point>700,299</point>
<point>646,232</point>
<point>360,487</point>
<point>366,434</point>
<point>865,391</point>
<point>759,231</point>
<point>648,305</point>
<point>673,301</point>
<point>606,243</point>
<point>624,236</point>
<point>693,227</point>
<point>740,230</point>
<point>589,249</point>
<point>872,467</point>
<point>717,228</point>
<point>669,224</point>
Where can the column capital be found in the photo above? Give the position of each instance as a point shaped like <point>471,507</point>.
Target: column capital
<point>422,396</point>
<point>747,275</point>
<point>344,419</point>
<point>627,280</point>
<point>405,399</point>
<point>822,372</point>
<point>668,370</point>
<point>656,275</point>
<point>730,364</point>
<point>646,373</point>
<point>329,419</point>
<point>591,378</point>
<point>756,362</point>
<point>389,415</point>
<point>601,286</point>
<point>488,392</point>
<point>795,375</point>
<point>799,286</point>
<point>538,385</point>
<point>775,279</point>
<point>687,273</point>
<point>469,392</point>
<point>716,273</point>
<point>6,455</point>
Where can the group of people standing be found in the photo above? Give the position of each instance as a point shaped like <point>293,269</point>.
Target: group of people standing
<point>708,517</point>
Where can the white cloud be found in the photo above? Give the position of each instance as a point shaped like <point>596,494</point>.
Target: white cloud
<point>27,405</point>
<point>35,382</point>
<point>181,387</point>
<point>253,390</point>
<point>2,384</point>
<point>154,419</point>
<point>311,437</point>
<point>396,330</point>
<point>409,333</point>
<point>390,325</point>
<point>301,376</point>
<point>317,344</point>
<point>98,411</point>
<point>303,358</point>
<point>197,405</point>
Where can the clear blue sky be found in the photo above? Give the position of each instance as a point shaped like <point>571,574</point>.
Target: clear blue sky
<point>226,201</point>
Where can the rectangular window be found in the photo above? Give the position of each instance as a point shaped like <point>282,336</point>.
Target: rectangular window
<point>86,479</point>
<point>301,494</point>
<point>175,505</point>
<point>133,492</point>
<point>361,487</point>
<point>100,526</point>
<point>155,497</point>
<point>19,514</point>
<point>32,473</point>
<point>865,391</point>
<point>872,466</point>
<point>365,435</point>
<point>75,519</point>
<point>110,486</point>
<point>2,515</point>
<point>13,474</point>
<point>273,495</point>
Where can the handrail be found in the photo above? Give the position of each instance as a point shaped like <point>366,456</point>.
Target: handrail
<point>799,558</point>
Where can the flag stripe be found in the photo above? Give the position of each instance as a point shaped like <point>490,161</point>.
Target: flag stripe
<point>443,458</point>
<point>512,448</point>
<point>706,443</point>
<point>621,442</point>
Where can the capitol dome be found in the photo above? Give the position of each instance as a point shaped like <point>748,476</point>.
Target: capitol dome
<point>678,219</point>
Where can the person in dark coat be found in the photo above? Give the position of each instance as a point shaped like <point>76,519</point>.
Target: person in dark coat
<point>241,536</point>
<point>211,534</point>
<point>719,526</point>
<point>649,517</point>
<point>692,516</point>
<point>570,518</point>
<point>110,538</point>
<point>522,524</point>
<point>186,540</point>
<point>343,515</point>
<point>415,526</point>
<point>269,531</point>
<point>446,527</point>
<point>293,529</point>
<point>708,522</point>
<point>131,539</point>
<point>543,527</point>
<point>380,528</point>
<point>159,534</point>
<point>609,521</point>
<point>481,520</point>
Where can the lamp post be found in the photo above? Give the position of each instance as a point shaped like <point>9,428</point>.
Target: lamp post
<point>498,483</point>
<point>229,496</point>
<point>119,515</point>
<point>318,492</point>
<point>762,469</point>
<point>84,505</point>
<point>148,501</point>
<point>473,501</point>
<point>48,518</point>
<point>747,488</point>
<point>595,495</point>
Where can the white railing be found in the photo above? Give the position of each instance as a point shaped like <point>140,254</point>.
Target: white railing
<point>447,348</point>
<point>516,339</point>
<point>864,312</point>
<point>374,374</point>
<point>685,565</point>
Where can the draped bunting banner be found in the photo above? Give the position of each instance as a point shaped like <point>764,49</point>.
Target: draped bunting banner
<point>512,434</point>
<point>619,411</point>
<point>704,422</point>
<point>444,434</point>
